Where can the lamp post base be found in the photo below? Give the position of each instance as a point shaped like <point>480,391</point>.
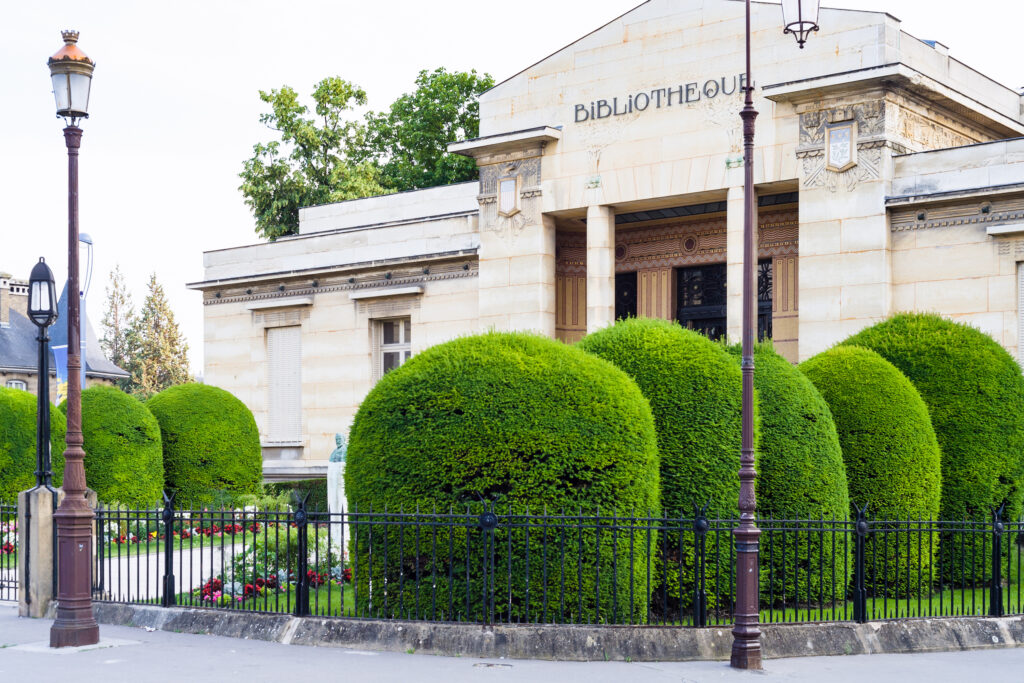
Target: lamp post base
<point>73,635</point>
<point>75,624</point>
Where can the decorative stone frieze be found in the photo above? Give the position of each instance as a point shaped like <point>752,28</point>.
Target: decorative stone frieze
<point>379,277</point>
<point>988,213</point>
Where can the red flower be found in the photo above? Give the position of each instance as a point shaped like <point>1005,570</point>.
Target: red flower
<point>347,575</point>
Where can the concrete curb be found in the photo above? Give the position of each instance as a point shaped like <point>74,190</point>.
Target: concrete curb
<point>577,643</point>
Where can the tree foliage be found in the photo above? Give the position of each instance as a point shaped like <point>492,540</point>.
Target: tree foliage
<point>325,154</point>
<point>313,162</point>
<point>118,323</point>
<point>159,352</point>
<point>409,142</point>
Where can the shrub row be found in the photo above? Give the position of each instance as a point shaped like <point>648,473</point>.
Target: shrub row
<point>197,440</point>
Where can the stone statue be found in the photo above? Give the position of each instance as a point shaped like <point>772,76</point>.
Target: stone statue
<point>336,503</point>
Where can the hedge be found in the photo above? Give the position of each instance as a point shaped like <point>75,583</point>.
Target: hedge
<point>800,476</point>
<point>693,386</point>
<point>315,491</point>
<point>975,395</point>
<point>210,443</point>
<point>521,423</point>
<point>890,450</point>
<point>123,457</point>
<point>18,443</point>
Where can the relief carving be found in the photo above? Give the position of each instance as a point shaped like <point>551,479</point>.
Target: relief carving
<point>725,113</point>
<point>922,133</point>
<point>529,172</point>
<point>870,119</point>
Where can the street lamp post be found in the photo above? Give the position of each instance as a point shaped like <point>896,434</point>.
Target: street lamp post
<point>800,18</point>
<point>71,71</point>
<point>42,310</point>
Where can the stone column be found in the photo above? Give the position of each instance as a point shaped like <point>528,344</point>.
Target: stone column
<point>845,271</point>
<point>517,277</point>
<point>734,263</point>
<point>36,551</point>
<point>600,267</point>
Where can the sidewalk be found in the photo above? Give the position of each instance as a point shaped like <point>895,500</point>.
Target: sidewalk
<point>160,656</point>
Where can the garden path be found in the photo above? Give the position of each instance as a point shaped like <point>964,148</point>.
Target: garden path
<point>139,577</point>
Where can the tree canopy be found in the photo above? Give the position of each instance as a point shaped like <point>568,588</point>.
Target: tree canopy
<point>325,154</point>
<point>409,142</point>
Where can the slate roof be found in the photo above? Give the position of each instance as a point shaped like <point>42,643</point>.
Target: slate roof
<point>19,348</point>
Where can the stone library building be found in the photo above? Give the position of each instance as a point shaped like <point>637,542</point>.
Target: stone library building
<point>889,177</point>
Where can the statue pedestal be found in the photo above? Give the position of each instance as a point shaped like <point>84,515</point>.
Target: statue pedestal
<point>336,499</point>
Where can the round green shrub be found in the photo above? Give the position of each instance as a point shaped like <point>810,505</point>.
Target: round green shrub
<point>694,388</point>
<point>975,394</point>
<point>18,443</point>
<point>210,443</point>
<point>890,450</point>
<point>800,476</point>
<point>525,424</point>
<point>123,458</point>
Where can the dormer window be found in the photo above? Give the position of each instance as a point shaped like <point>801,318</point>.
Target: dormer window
<point>508,196</point>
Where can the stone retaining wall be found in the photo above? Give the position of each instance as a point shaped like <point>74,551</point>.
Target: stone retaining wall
<point>580,643</point>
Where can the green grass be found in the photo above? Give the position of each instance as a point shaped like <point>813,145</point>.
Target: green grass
<point>949,602</point>
<point>322,602</point>
<point>115,550</point>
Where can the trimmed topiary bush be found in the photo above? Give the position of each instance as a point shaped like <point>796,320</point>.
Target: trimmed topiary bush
<point>18,443</point>
<point>210,443</point>
<point>522,423</point>
<point>800,476</point>
<point>123,458</point>
<point>975,395</point>
<point>693,386</point>
<point>891,455</point>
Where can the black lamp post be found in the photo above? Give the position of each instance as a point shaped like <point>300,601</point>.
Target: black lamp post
<point>800,17</point>
<point>71,71</point>
<point>42,310</point>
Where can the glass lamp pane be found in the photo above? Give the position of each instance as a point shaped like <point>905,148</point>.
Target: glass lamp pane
<point>36,302</point>
<point>809,10</point>
<point>80,84</point>
<point>507,196</point>
<point>61,91</point>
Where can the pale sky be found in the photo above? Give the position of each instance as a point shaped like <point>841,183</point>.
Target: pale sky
<point>175,106</point>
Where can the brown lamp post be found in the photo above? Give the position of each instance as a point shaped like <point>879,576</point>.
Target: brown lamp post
<point>71,71</point>
<point>800,17</point>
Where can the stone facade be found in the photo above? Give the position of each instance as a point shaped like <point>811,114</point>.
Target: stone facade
<point>611,183</point>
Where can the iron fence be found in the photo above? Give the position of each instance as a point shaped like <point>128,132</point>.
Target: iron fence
<point>8,552</point>
<point>495,565</point>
